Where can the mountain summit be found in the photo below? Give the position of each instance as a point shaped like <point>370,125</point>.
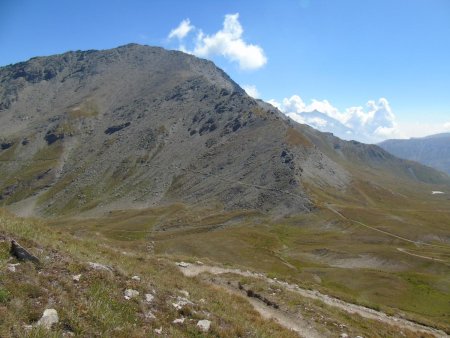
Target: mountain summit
<point>140,126</point>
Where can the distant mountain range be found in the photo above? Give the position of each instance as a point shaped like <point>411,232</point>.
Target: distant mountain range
<point>433,150</point>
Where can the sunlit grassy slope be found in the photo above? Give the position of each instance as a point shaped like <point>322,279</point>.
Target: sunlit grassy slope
<point>324,250</point>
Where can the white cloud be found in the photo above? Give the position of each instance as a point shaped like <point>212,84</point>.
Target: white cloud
<point>182,30</point>
<point>227,42</point>
<point>373,123</point>
<point>447,126</point>
<point>251,90</point>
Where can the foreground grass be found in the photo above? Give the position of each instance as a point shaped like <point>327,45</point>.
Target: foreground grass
<point>95,306</point>
<point>316,250</point>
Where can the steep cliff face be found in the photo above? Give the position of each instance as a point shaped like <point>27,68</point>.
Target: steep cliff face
<point>140,126</point>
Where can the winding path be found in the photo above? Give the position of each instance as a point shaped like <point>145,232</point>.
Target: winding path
<point>298,324</point>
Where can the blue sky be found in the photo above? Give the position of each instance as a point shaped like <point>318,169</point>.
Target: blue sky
<point>342,54</point>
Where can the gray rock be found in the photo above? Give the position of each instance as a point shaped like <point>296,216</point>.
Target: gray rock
<point>12,267</point>
<point>149,297</point>
<point>98,266</point>
<point>204,325</point>
<point>48,319</point>
<point>179,320</point>
<point>21,253</point>
<point>181,302</point>
<point>130,293</point>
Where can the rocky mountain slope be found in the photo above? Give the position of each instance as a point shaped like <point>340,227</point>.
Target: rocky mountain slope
<point>433,150</point>
<point>139,126</point>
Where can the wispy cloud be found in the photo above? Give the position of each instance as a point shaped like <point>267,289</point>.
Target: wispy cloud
<point>182,30</point>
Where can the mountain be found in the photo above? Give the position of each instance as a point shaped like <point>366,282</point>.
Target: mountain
<point>167,198</point>
<point>433,150</point>
<point>139,126</point>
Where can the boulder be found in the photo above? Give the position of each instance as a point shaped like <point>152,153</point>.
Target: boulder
<point>21,253</point>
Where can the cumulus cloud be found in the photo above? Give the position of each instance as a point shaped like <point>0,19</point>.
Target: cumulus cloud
<point>371,123</point>
<point>251,90</point>
<point>227,42</point>
<point>182,30</point>
<point>447,126</point>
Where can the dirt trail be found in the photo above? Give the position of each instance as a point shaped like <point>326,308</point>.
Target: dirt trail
<point>294,323</point>
<point>420,256</point>
<point>298,324</point>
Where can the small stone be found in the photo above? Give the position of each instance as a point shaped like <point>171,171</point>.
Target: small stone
<point>98,266</point>
<point>130,293</point>
<point>136,278</point>
<point>181,303</point>
<point>184,293</point>
<point>49,318</point>
<point>150,315</point>
<point>149,297</point>
<point>183,264</point>
<point>199,263</point>
<point>12,267</point>
<point>343,335</point>
<point>158,331</point>
<point>76,278</point>
<point>202,300</point>
<point>204,325</point>
<point>179,321</point>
